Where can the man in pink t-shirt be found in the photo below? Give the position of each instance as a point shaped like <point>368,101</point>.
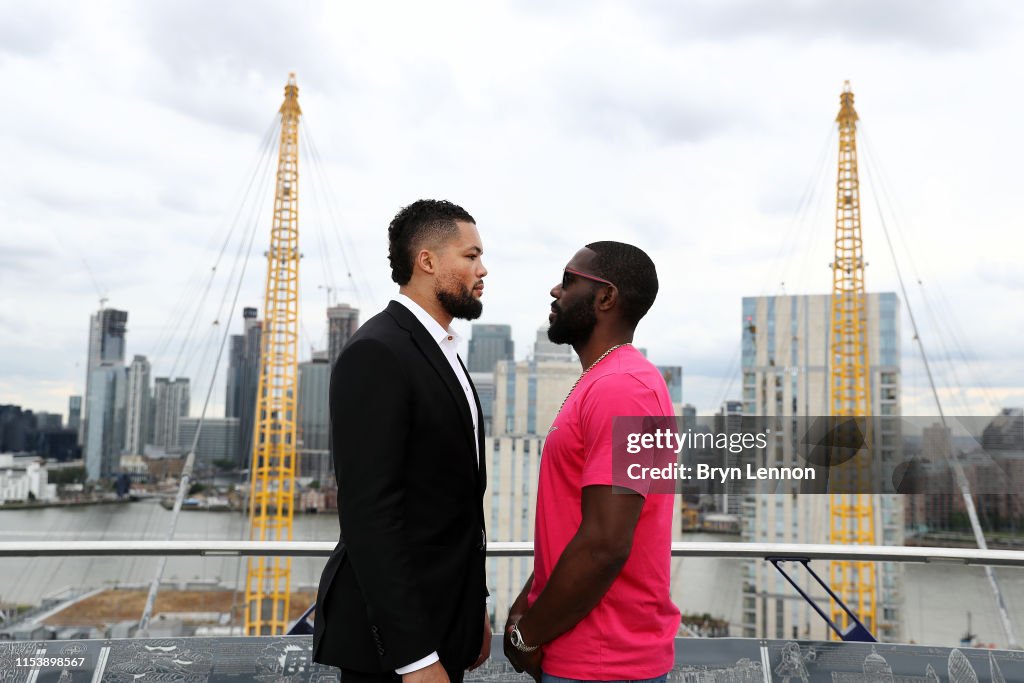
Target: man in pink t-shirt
<point>597,607</point>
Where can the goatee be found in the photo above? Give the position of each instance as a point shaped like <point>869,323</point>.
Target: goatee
<point>573,325</point>
<point>461,303</point>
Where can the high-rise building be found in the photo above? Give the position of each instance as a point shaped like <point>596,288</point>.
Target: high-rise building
<point>528,394</point>
<point>314,421</point>
<point>510,507</point>
<point>785,352</point>
<point>105,431</point>
<point>171,403</point>
<point>673,376</point>
<point>17,429</point>
<point>236,356</point>
<point>248,382</point>
<point>545,349</point>
<point>49,422</point>
<point>218,439</point>
<point>484,383</point>
<point>106,345</point>
<point>729,420</point>
<point>342,322</point>
<point>138,405</point>
<point>487,345</point>
<point>75,413</point>
<point>1005,432</point>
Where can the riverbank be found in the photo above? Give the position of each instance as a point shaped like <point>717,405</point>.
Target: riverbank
<point>41,504</point>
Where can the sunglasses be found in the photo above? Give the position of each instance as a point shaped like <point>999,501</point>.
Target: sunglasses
<point>569,271</point>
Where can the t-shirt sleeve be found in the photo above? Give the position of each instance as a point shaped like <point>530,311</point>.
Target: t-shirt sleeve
<point>620,395</point>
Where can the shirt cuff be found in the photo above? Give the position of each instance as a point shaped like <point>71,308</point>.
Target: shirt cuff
<point>418,664</point>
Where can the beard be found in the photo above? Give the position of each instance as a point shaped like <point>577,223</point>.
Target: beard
<point>573,325</point>
<point>458,300</point>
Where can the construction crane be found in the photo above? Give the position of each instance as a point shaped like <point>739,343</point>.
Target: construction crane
<point>275,445</point>
<point>852,508</point>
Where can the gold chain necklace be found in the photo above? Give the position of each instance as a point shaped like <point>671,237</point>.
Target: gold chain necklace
<point>580,378</point>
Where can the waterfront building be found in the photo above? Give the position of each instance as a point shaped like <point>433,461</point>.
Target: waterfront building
<point>23,480</point>
<point>75,413</point>
<point>785,348</point>
<point>106,346</point>
<point>171,402</point>
<point>138,406</point>
<point>248,383</point>
<point>314,423</point>
<point>218,439</point>
<point>106,425</point>
<point>232,385</point>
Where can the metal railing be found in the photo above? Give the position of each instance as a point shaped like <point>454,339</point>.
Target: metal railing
<point>867,553</point>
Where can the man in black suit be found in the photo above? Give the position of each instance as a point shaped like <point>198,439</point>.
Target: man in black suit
<point>403,595</point>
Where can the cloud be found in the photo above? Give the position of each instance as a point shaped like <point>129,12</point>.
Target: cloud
<point>29,30</point>
<point>1003,274</point>
<point>929,24</point>
<point>20,259</point>
<point>232,54</point>
<point>609,111</point>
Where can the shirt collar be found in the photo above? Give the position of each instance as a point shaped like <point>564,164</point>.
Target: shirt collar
<point>434,329</point>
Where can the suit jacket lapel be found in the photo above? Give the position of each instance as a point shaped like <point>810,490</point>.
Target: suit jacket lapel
<point>429,347</point>
<point>482,469</point>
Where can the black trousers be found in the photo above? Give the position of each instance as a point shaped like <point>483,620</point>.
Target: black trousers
<point>350,676</point>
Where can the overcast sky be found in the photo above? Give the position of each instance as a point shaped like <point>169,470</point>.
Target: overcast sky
<point>699,131</point>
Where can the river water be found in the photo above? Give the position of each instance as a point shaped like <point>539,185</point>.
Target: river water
<point>937,597</point>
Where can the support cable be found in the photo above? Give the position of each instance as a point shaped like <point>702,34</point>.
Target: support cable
<point>186,474</point>
<point>191,292</point>
<point>318,167</point>
<point>953,460</point>
<point>798,225</point>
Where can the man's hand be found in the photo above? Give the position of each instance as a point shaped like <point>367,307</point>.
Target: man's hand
<point>485,646</point>
<point>522,661</point>
<point>434,673</point>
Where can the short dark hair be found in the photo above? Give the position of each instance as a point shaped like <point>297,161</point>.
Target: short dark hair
<point>633,273</point>
<point>426,220</point>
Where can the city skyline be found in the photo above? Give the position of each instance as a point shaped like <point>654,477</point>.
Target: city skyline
<point>692,133</point>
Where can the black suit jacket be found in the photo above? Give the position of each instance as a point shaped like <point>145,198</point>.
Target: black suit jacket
<point>407,577</point>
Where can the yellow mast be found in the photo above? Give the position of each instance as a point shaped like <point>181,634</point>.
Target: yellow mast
<point>272,492</point>
<point>852,511</point>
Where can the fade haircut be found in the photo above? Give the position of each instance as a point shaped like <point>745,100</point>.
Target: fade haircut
<point>427,221</point>
<point>633,273</point>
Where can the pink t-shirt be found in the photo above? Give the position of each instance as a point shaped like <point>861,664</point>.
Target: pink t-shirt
<point>630,633</point>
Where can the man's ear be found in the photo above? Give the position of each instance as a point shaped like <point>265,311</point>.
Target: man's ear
<point>608,298</point>
<point>426,261</point>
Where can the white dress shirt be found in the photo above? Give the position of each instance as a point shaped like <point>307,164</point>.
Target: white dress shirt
<point>448,341</point>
